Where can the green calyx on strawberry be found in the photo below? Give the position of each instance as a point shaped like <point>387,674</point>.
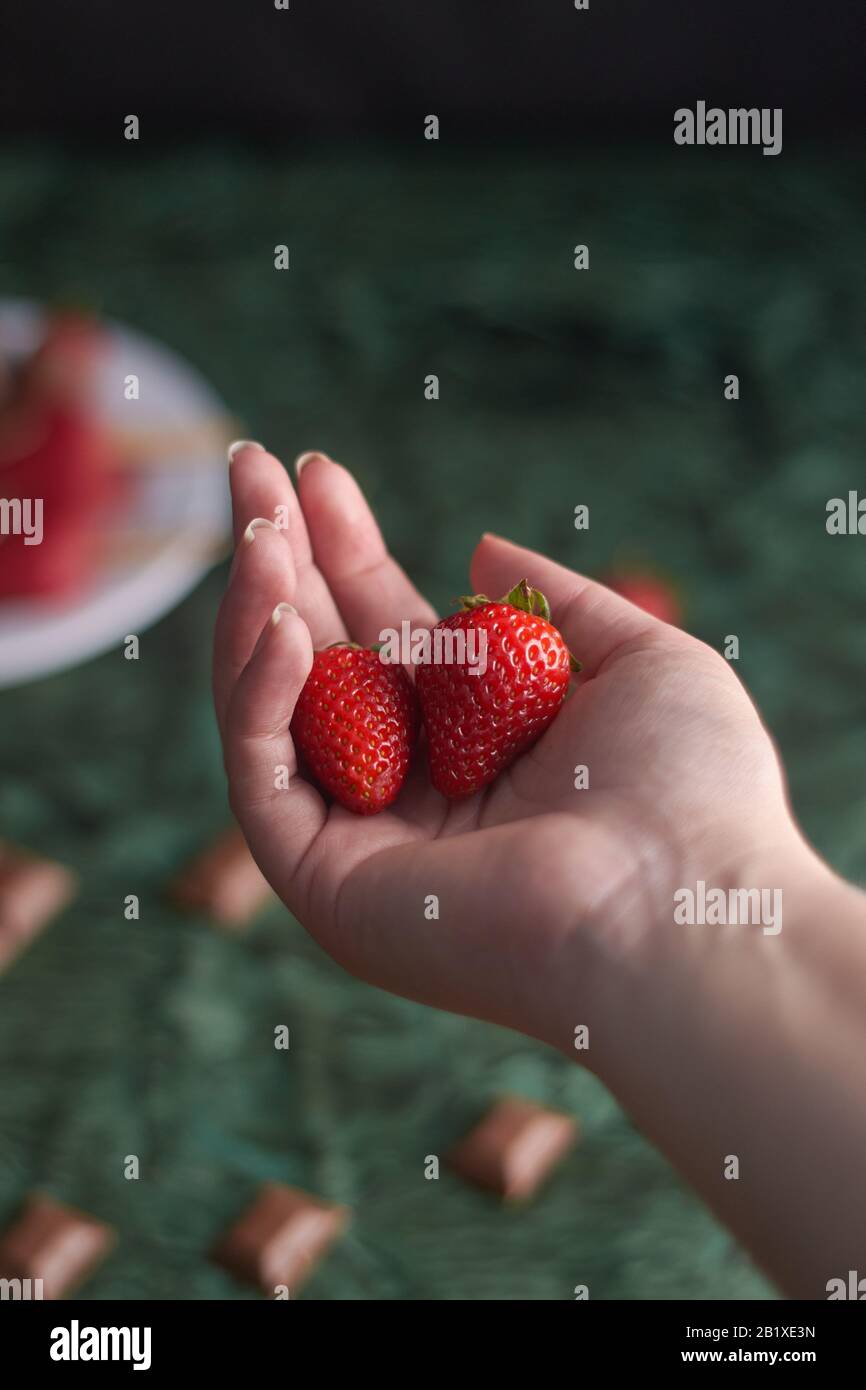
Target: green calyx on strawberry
<point>479,720</point>
<point>356,722</point>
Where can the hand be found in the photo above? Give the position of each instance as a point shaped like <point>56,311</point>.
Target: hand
<point>546,893</point>
<point>557,904</point>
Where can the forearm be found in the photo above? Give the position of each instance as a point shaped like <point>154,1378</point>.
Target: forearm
<point>744,1060</point>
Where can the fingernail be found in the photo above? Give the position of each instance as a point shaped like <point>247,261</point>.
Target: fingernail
<point>280,609</point>
<point>238,444</point>
<point>303,459</point>
<point>256,525</point>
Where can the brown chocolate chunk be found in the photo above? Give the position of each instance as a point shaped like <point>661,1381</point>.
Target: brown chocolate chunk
<point>279,1240</point>
<point>54,1243</point>
<point>514,1147</point>
<point>32,891</point>
<point>224,882</point>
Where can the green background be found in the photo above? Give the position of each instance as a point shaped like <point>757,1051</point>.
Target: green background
<point>557,388</point>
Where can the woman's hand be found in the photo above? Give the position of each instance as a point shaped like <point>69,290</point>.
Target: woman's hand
<point>548,895</point>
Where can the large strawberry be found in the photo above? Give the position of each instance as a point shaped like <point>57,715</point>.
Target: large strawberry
<point>479,722</point>
<point>356,722</point>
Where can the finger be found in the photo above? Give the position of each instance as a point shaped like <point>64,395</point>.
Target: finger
<point>279,813</point>
<point>371,590</point>
<point>262,575</point>
<point>594,621</point>
<point>245,485</point>
<point>261,487</point>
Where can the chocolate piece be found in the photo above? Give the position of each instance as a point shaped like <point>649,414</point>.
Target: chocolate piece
<point>224,881</point>
<point>512,1150</point>
<point>54,1243</point>
<point>32,891</point>
<point>280,1239</point>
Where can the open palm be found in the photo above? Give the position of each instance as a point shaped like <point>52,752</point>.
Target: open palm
<point>503,906</point>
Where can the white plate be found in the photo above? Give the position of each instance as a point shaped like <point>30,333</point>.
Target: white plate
<point>177,521</point>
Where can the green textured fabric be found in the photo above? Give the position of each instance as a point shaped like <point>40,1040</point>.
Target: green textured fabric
<point>558,387</point>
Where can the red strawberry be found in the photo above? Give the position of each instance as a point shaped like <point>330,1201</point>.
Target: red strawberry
<point>355,722</point>
<point>477,724</point>
<point>655,596</point>
<point>70,468</point>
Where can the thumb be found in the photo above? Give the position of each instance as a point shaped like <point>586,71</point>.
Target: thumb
<point>594,620</point>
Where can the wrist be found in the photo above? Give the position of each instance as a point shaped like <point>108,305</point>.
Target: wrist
<point>736,1044</point>
<point>676,956</point>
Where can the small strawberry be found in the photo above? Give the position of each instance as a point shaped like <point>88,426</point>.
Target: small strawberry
<point>655,595</point>
<point>355,722</point>
<point>477,724</point>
